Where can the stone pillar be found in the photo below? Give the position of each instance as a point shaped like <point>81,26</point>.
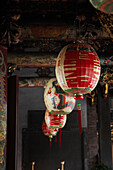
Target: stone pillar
<point>103,108</point>
<point>84,140</point>
<point>92,134</point>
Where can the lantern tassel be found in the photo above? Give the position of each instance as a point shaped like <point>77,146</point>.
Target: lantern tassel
<point>56,139</point>
<point>50,142</point>
<point>59,134</point>
<point>79,118</point>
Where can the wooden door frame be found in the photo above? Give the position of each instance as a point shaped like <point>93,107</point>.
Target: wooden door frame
<point>12,115</point>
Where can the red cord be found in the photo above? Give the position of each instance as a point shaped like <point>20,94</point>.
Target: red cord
<point>59,136</point>
<point>50,142</point>
<point>56,139</point>
<point>79,119</point>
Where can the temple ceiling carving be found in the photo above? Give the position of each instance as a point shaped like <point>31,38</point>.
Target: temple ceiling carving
<point>44,27</point>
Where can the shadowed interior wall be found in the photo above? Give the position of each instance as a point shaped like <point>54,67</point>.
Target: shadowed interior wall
<point>32,99</point>
<point>105,146</point>
<point>29,99</point>
<point>36,145</point>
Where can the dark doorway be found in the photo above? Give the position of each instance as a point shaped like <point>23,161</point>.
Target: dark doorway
<point>36,145</point>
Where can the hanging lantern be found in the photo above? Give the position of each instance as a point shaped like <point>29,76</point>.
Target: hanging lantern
<point>53,120</point>
<point>105,6</point>
<point>56,100</point>
<point>50,132</point>
<point>77,69</point>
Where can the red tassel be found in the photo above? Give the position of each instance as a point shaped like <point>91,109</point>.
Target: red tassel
<point>56,139</point>
<point>59,134</point>
<point>50,141</point>
<point>79,118</point>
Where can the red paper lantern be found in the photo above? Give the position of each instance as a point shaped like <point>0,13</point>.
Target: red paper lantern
<point>56,100</point>
<point>48,131</point>
<point>103,5</point>
<point>78,69</point>
<point>55,121</point>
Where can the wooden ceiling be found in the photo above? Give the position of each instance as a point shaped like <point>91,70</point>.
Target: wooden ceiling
<point>36,30</point>
<point>43,27</point>
<point>45,10</point>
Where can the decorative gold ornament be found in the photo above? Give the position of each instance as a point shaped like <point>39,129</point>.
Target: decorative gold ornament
<point>106,20</point>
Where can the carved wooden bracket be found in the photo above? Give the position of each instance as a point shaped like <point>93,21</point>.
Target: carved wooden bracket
<point>106,79</point>
<point>105,90</point>
<point>91,96</point>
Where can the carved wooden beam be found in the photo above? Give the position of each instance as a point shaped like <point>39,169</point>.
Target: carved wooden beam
<point>25,59</point>
<point>50,39</point>
<point>32,60</point>
<point>63,31</point>
<point>33,82</point>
